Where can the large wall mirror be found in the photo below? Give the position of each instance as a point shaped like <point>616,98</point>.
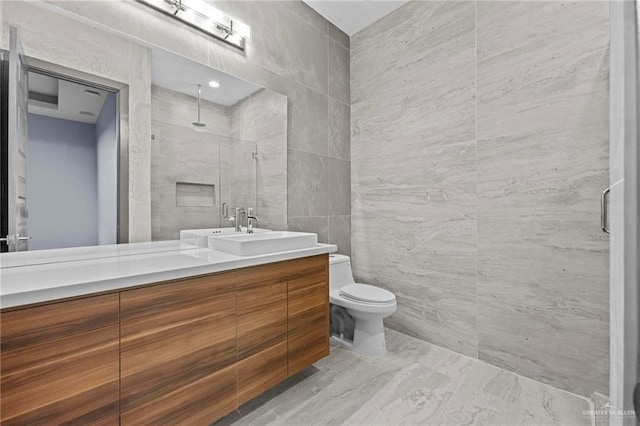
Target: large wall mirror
<point>215,141</point>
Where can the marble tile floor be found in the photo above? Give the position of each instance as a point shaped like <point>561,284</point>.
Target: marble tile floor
<point>417,383</point>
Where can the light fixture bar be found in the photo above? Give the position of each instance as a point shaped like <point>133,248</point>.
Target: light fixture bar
<point>205,17</point>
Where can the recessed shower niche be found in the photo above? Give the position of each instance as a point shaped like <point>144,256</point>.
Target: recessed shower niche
<point>190,194</point>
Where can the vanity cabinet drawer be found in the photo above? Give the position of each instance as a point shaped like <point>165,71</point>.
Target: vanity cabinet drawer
<point>60,363</point>
<point>178,351</point>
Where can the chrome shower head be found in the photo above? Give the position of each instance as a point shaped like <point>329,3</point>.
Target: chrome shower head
<point>199,123</point>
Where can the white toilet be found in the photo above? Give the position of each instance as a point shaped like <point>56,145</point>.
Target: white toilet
<point>366,303</point>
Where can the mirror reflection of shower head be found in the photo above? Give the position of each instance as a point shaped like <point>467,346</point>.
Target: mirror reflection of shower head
<point>199,123</point>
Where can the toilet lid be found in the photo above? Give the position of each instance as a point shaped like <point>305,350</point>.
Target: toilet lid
<point>367,293</point>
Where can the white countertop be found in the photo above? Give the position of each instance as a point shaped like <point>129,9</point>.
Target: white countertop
<point>45,275</point>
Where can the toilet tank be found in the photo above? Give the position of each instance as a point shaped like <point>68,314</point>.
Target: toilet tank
<point>339,271</point>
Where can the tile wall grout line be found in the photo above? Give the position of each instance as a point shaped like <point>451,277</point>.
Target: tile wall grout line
<point>476,163</point>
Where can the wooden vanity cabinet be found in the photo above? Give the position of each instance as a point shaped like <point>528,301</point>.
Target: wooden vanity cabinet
<point>60,363</point>
<point>262,330</point>
<point>178,352</point>
<point>308,312</point>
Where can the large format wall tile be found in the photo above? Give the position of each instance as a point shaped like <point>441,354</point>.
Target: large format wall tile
<point>483,217</point>
<point>308,15</point>
<point>560,177</point>
<point>338,72</point>
<point>288,47</point>
<point>542,164</point>
<point>566,351</point>
<point>429,173</point>
<point>339,130</point>
<point>318,225</point>
<point>558,266</point>
<point>339,194</point>
<point>413,155</point>
<point>442,316</point>
<point>393,103</point>
<point>307,177</point>
<point>548,76</point>
<point>433,250</point>
<point>308,121</point>
<point>340,233</point>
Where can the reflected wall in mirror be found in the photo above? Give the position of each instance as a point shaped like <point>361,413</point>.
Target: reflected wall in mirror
<point>211,154</point>
<point>226,149</point>
<point>172,175</point>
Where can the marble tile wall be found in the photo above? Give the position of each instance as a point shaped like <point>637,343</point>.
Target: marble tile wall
<point>292,52</point>
<point>413,154</point>
<point>543,108</point>
<point>479,149</point>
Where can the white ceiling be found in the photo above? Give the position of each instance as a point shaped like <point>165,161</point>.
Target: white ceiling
<point>64,99</point>
<point>182,75</point>
<point>353,15</point>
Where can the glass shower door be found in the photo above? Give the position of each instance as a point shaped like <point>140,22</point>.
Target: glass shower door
<point>238,182</point>
<point>621,219</point>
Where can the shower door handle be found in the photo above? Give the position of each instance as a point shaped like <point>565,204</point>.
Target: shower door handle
<point>604,210</point>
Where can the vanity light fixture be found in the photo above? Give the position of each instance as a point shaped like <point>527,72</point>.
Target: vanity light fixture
<point>214,84</point>
<point>205,17</point>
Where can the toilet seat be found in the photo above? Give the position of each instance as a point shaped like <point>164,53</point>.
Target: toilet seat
<point>365,293</point>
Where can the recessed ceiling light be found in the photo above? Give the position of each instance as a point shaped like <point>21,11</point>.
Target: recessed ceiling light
<point>87,113</point>
<point>214,84</point>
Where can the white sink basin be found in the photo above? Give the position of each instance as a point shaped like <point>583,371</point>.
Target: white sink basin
<point>263,243</point>
<point>199,236</point>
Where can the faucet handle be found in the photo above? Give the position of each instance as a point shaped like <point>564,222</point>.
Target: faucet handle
<point>250,211</point>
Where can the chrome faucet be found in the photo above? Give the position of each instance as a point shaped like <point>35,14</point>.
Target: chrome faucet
<point>237,219</point>
<point>250,219</point>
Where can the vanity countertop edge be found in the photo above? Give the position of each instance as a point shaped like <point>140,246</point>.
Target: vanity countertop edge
<point>47,282</point>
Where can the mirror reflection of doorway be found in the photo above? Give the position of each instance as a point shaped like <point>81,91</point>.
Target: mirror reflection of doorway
<point>72,163</point>
<point>72,181</point>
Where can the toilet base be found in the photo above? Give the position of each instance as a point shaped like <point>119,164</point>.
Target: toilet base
<point>368,338</point>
